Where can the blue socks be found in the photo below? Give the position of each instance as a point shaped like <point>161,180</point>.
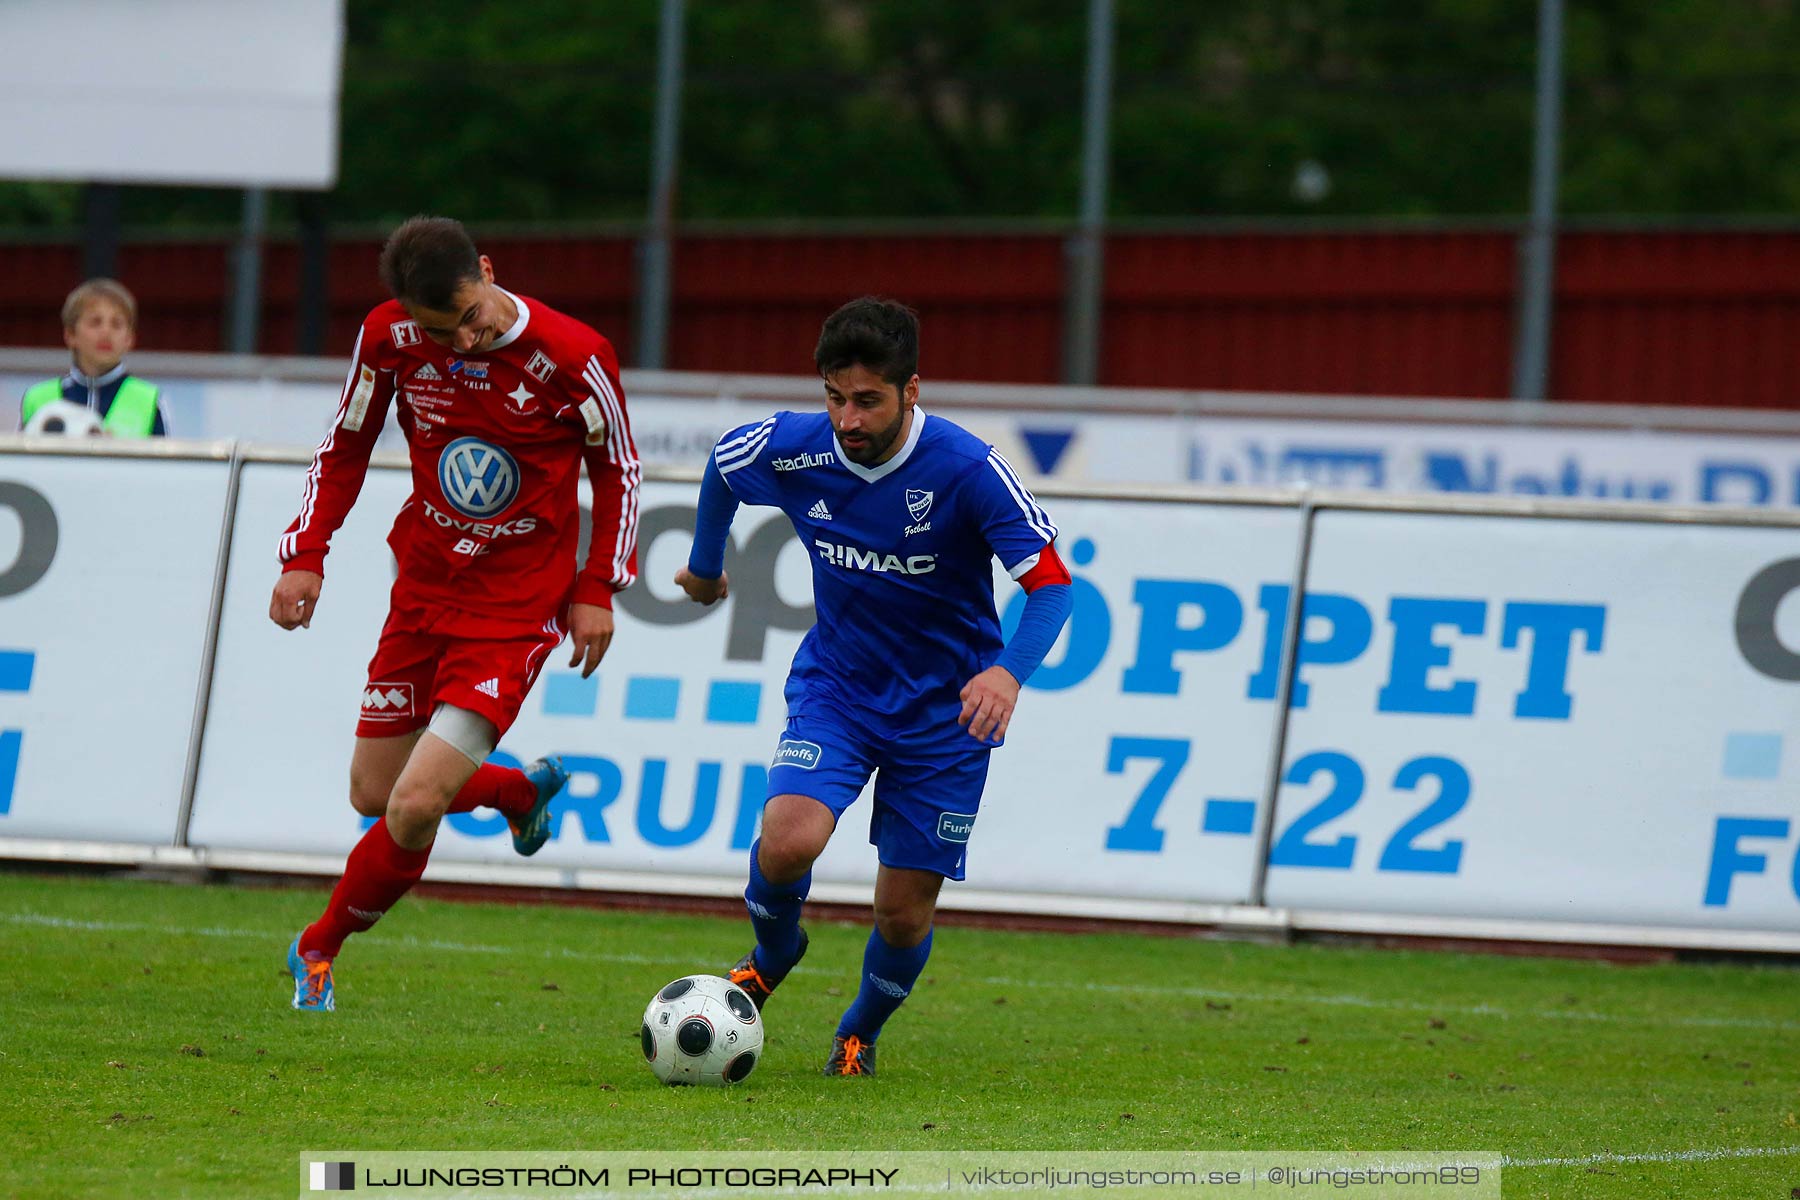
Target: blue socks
<point>888,972</point>
<point>888,975</point>
<point>775,915</point>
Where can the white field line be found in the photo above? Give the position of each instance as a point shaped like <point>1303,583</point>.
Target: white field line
<point>1373,1003</point>
<point>1663,1156</point>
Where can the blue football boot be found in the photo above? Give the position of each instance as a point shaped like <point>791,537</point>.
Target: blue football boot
<point>312,981</point>
<point>531,831</point>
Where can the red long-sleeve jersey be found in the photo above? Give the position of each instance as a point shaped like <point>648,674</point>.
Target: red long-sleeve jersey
<point>487,541</point>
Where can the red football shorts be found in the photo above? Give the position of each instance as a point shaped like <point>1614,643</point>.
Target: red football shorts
<point>412,673</point>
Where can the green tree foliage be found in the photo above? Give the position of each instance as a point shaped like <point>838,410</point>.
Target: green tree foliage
<point>1683,106</point>
<point>965,109</point>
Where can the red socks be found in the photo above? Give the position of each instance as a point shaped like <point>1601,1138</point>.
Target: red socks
<point>494,786</point>
<point>379,872</point>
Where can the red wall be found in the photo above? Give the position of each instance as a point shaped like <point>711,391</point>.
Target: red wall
<point>1703,318</point>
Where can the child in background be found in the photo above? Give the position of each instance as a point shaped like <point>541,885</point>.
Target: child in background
<point>100,328</point>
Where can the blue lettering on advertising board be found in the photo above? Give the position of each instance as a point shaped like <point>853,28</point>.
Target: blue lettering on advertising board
<point>1179,617</point>
<point>1730,857</point>
<point>596,784</point>
<point>1179,623</point>
<point>1477,468</point>
<point>1457,471</point>
<point>16,667</point>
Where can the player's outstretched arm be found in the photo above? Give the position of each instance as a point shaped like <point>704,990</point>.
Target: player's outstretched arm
<point>703,578</point>
<point>591,633</point>
<point>295,599</point>
<point>335,478</point>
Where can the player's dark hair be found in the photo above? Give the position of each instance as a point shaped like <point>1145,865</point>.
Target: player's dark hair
<point>880,335</point>
<point>427,260</point>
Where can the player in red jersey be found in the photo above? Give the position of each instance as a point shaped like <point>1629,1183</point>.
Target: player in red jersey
<point>501,399</point>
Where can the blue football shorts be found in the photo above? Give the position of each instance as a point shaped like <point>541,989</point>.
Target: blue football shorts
<point>926,797</point>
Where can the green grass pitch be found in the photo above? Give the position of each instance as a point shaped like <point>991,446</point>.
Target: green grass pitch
<point>147,1048</point>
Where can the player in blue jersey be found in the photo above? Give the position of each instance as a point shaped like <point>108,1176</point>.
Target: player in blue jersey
<point>904,676</point>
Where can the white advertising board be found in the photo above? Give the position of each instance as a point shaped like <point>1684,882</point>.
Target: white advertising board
<point>106,576</point>
<point>1567,720</point>
<point>676,420</point>
<point>1586,464</point>
<point>222,92</point>
<point>1562,720</point>
<point>1128,772</point>
<point>274,766</point>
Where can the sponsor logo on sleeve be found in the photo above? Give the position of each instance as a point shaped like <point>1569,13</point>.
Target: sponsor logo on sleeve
<point>955,827</point>
<point>596,424</point>
<point>539,366</point>
<point>359,399</point>
<point>405,333</point>
<point>795,753</point>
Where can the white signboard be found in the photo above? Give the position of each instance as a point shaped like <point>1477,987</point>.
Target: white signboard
<point>222,92</point>
<point>1427,458</point>
<point>1127,771</point>
<point>1585,464</point>
<point>1494,716</point>
<point>1563,720</point>
<point>106,575</point>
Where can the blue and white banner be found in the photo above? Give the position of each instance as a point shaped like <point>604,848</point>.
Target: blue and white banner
<point>1454,448</point>
<point>1487,460</point>
<point>1496,716</point>
<point>1563,720</point>
<point>106,577</point>
<point>1124,774</point>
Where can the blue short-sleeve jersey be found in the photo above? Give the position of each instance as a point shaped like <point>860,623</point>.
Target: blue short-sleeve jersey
<point>902,560</point>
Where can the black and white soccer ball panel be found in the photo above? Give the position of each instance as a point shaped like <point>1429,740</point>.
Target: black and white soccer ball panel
<point>67,418</point>
<point>701,1029</point>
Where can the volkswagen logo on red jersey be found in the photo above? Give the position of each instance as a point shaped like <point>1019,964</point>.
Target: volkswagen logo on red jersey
<point>479,479</point>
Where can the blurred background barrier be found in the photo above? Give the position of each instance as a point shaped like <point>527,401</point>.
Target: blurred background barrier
<point>1499,717</point>
<point>1686,455</point>
<point>1567,202</point>
<point>1698,317</point>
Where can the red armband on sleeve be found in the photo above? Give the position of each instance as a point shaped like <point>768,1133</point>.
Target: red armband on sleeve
<point>1046,569</point>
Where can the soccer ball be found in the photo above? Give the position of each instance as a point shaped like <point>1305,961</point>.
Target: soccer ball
<point>67,418</point>
<point>702,1029</point>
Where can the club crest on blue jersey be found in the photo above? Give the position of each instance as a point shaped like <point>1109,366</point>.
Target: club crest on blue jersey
<point>479,479</point>
<point>955,827</point>
<point>918,503</point>
<point>794,753</point>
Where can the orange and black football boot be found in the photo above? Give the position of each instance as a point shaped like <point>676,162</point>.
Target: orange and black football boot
<point>851,1056</point>
<point>757,983</point>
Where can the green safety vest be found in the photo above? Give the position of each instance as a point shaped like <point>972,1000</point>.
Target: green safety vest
<point>133,411</point>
